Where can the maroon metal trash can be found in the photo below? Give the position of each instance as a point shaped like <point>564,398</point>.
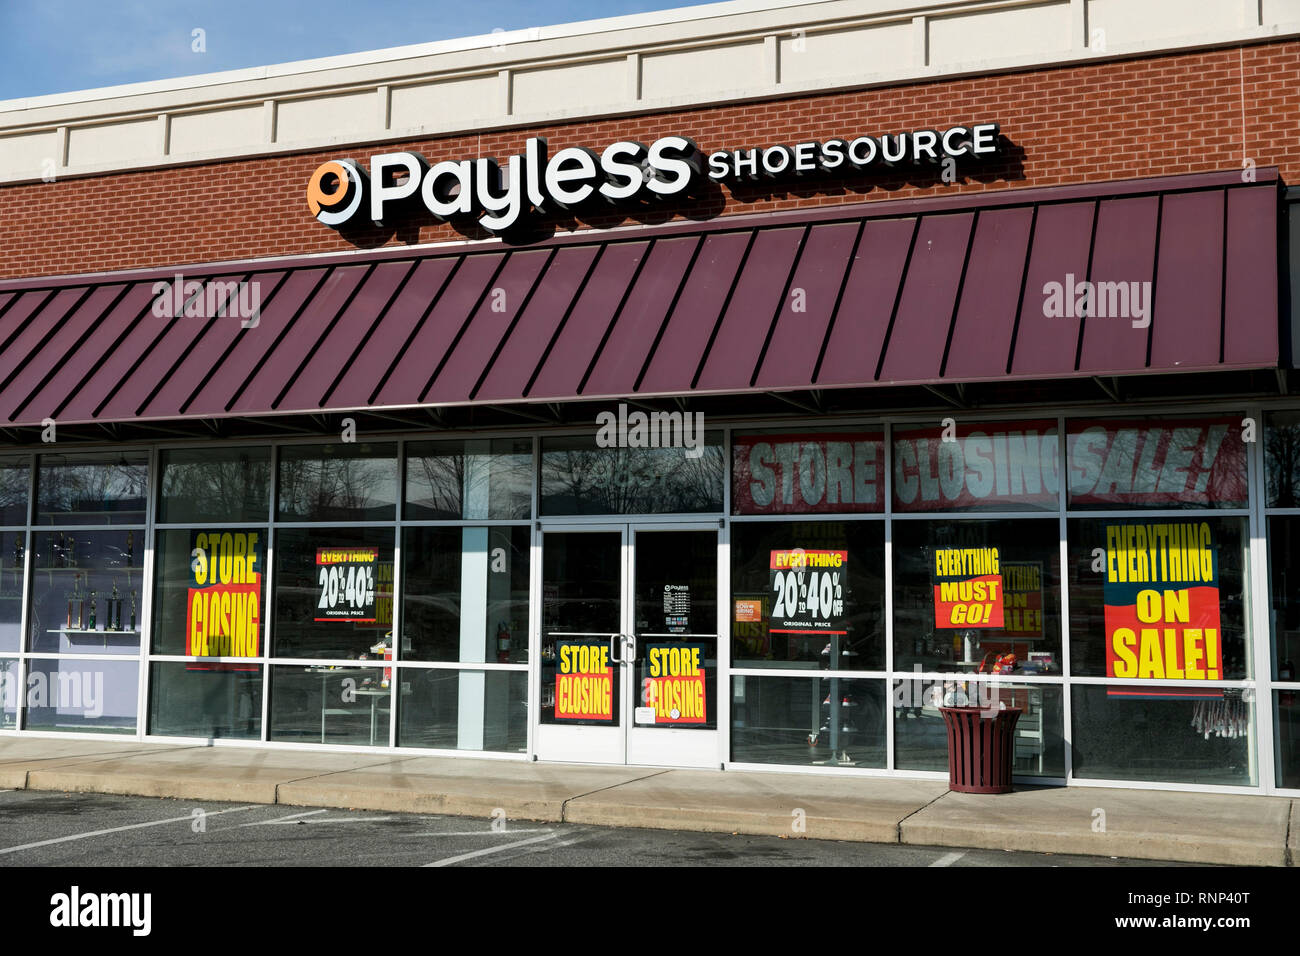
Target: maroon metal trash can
<point>981,748</point>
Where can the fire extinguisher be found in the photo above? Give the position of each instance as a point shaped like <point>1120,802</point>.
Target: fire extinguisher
<point>1286,672</point>
<point>503,644</point>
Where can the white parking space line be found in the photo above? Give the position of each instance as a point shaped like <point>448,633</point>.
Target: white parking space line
<point>291,816</point>
<point>566,843</point>
<point>495,849</point>
<point>460,833</point>
<point>333,820</point>
<point>948,859</point>
<point>134,826</point>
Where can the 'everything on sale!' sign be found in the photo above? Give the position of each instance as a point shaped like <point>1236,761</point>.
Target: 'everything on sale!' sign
<point>1162,601</point>
<point>808,591</point>
<point>584,681</point>
<point>222,611</point>
<point>1022,585</point>
<point>673,683</point>
<point>967,588</point>
<point>346,584</point>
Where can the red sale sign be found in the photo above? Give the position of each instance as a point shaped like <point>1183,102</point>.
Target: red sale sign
<point>1162,601</point>
<point>1163,463</point>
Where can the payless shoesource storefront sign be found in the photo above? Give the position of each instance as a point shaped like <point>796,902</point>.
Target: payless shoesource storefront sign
<point>340,193</point>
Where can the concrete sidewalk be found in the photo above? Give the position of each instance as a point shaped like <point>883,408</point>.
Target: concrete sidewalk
<point>1195,828</point>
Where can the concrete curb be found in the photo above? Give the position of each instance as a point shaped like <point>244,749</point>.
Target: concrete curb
<point>1151,825</point>
<point>1156,825</point>
<point>750,823</point>
<point>1204,849</point>
<point>309,793</point>
<point>148,785</point>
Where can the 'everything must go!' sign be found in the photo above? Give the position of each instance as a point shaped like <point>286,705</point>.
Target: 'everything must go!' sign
<point>967,588</point>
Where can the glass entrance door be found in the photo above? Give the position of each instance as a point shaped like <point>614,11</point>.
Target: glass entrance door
<point>629,645</point>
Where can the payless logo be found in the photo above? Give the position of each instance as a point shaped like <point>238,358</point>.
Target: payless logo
<point>500,195</point>
<point>335,191</point>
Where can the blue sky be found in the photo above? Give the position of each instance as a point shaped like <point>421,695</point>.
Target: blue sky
<point>53,46</point>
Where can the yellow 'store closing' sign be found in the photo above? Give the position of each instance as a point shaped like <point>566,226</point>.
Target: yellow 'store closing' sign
<point>672,683</point>
<point>223,607</point>
<point>584,681</point>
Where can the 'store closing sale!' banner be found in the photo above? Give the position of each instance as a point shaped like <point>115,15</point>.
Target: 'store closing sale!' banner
<point>1162,601</point>
<point>223,606</point>
<point>346,584</point>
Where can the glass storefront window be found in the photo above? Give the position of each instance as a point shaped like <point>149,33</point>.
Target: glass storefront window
<point>843,560</point>
<point>196,699</point>
<point>12,552</point>
<point>92,488</point>
<point>807,472</point>
<point>222,484</point>
<point>1282,459</point>
<point>1002,466</point>
<point>336,705</point>
<point>1284,613</point>
<point>463,709</point>
<point>465,594</point>
<point>1154,732</point>
<point>14,474</point>
<point>1286,711</point>
<point>1157,463</point>
<point>581,607</point>
<point>329,600</point>
<point>487,478</point>
<point>86,588</point>
<point>208,592</point>
<point>1159,598</point>
<point>78,695</point>
<point>580,477</point>
<point>10,693</point>
<point>968,592</point>
<point>921,740</point>
<point>345,482</point>
<point>675,622</point>
<point>826,721</point>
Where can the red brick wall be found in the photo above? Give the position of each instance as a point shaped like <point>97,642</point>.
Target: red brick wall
<point>1160,115</point>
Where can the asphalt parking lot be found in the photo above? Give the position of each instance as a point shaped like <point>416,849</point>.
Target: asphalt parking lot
<point>93,830</point>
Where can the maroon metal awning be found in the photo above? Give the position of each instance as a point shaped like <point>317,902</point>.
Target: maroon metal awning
<point>928,291</point>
